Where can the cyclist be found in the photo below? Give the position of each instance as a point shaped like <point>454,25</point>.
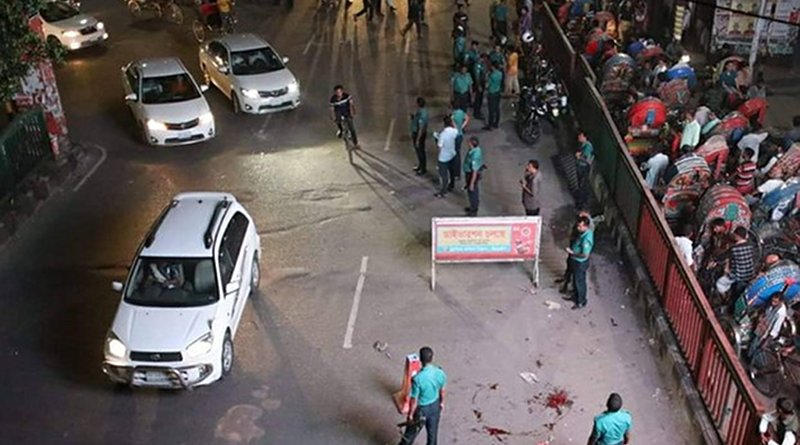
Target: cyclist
<point>343,109</point>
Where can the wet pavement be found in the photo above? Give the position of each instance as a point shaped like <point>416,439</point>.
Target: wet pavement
<point>319,216</point>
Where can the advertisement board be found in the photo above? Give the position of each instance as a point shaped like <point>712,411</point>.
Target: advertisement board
<point>490,239</point>
<point>737,30</point>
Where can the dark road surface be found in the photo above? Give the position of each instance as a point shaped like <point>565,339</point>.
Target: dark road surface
<point>318,217</point>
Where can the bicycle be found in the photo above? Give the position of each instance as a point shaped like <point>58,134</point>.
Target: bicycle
<point>770,366</point>
<point>345,123</point>
<point>167,9</point>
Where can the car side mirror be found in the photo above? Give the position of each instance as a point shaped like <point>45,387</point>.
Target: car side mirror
<point>222,69</point>
<point>116,286</point>
<point>131,97</point>
<point>204,87</point>
<point>285,60</point>
<point>231,288</point>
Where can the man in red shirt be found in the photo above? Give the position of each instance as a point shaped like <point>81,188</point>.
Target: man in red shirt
<point>743,178</point>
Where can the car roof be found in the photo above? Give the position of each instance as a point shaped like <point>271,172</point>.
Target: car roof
<point>182,229</point>
<point>242,42</point>
<point>162,66</point>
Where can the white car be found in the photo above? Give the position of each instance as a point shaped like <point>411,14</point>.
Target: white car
<point>166,102</point>
<point>185,295</point>
<point>247,70</point>
<point>63,23</point>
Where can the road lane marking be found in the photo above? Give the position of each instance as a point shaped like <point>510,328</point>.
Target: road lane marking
<point>351,323</point>
<point>103,156</point>
<point>308,45</point>
<point>389,136</point>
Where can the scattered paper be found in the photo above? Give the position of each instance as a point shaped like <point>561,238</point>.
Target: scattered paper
<point>551,305</point>
<point>529,377</point>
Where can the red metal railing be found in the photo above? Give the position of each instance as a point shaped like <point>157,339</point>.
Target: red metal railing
<point>720,379</point>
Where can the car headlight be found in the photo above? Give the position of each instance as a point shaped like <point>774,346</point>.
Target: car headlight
<point>252,94</point>
<point>206,118</point>
<point>114,346</point>
<point>200,346</point>
<point>71,34</point>
<point>100,25</point>
<point>294,87</point>
<point>156,125</point>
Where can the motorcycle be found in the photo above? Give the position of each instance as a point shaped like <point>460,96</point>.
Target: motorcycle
<point>530,110</point>
<point>554,97</point>
<point>161,8</point>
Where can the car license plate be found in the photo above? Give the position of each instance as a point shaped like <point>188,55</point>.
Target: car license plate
<point>155,376</point>
<point>184,135</point>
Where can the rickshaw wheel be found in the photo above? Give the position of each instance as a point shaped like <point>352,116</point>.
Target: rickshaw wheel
<point>199,31</point>
<point>729,327</point>
<point>134,8</point>
<point>175,14</point>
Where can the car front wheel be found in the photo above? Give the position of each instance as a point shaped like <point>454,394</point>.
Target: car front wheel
<point>255,276</point>
<point>226,359</point>
<point>237,107</point>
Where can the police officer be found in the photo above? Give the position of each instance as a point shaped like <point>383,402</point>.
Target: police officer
<point>427,400</point>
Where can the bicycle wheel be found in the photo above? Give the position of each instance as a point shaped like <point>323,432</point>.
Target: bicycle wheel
<point>199,31</point>
<point>175,14</point>
<point>134,8</point>
<point>765,372</point>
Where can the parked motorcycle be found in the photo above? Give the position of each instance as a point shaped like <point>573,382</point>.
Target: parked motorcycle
<point>530,109</point>
<point>161,8</point>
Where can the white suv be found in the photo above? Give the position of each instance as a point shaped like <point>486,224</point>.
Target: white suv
<point>185,295</point>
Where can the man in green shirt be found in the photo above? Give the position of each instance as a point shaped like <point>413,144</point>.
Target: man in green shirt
<point>419,131</point>
<point>584,157</point>
<point>427,400</point>
<point>461,120</point>
<point>473,164</point>
<point>500,19</point>
<point>579,253</point>
<point>494,88</point>
<point>462,85</point>
<point>479,84</point>
<point>613,426</point>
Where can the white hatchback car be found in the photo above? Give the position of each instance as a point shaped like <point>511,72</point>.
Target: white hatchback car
<point>166,102</point>
<point>62,22</point>
<point>185,295</point>
<point>247,70</point>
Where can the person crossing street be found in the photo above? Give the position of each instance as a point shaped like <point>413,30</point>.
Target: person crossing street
<point>419,132</point>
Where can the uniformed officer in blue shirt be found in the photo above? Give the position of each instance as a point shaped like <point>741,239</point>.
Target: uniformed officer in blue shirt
<point>427,400</point>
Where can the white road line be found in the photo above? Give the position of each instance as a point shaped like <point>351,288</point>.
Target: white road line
<point>103,156</point>
<point>351,323</point>
<point>389,136</point>
<point>308,45</point>
<point>407,48</point>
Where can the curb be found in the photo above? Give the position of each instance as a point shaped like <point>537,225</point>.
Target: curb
<point>75,163</point>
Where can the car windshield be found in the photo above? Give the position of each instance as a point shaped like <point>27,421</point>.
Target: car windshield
<point>57,11</point>
<point>168,89</point>
<point>175,282</point>
<point>255,61</point>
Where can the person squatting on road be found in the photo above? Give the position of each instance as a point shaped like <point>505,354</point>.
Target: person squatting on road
<point>446,141</point>
<point>343,109</point>
<point>779,427</point>
<point>473,165</point>
<point>613,426</point>
<point>579,253</point>
<point>531,184</point>
<point>427,400</point>
<point>419,132</point>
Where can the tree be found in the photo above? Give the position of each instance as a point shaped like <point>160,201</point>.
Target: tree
<point>22,48</point>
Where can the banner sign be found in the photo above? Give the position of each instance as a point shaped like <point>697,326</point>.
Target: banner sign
<point>491,239</point>
<point>737,30</point>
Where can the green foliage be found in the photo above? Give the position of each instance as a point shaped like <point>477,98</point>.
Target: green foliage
<point>21,47</point>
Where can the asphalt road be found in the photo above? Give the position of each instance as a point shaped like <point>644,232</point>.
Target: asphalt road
<point>319,217</point>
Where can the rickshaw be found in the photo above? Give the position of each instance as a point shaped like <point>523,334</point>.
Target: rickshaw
<point>682,71</point>
<point>715,151</point>
<point>607,22</point>
<point>650,54</point>
<point>739,62</point>
<point>646,120</point>
<point>788,165</point>
<point>779,203</point>
<point>618,72</point>
<point>675,93</point>
<point>732,122</point>
<point>167,9</point>
<point>210,20</point>
<point>685,188</point>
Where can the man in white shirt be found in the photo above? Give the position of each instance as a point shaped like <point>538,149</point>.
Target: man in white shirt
<point>655,167</point>
<point>691,131</point>
<point>446,141</point>
<point>685,245</point>
<point>752,141</point>
<point>779,427</point>
<point>769,325</point>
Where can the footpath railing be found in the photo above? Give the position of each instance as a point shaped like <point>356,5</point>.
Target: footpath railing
<point>724,386</point>
<point>23,145</point>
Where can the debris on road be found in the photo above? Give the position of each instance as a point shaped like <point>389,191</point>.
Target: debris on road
<point>551,305</point>
<point>558,400</point>
<point>539,363</point>
<point>494,385</point>
<point>382,346</point>
<point>478,414</point>
<point>529,377</point>
<point>498,311</point>
<point>496,432</point>
<point>613,322</point>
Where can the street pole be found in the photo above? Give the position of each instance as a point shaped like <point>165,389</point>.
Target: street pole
<point>760,22</point>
